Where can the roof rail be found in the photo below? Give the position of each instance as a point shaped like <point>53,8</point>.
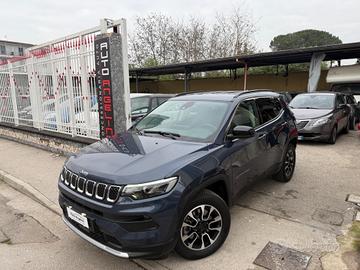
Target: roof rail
<point>242,92</point>
<point>189,92</point>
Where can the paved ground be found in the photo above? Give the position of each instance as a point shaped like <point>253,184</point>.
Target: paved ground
<point>307,213</point>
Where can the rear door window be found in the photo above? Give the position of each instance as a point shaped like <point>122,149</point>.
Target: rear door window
<point>269,108</point>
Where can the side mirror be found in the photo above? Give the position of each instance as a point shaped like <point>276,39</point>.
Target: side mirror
<point>243,132</point>
<point>341,106</point>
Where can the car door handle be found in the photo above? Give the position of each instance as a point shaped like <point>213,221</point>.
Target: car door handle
<point>261,136</point>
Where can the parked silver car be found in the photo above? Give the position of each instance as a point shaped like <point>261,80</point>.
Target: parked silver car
<point>320,116</point>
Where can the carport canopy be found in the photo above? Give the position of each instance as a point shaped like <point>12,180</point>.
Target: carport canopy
<point>303,55</point>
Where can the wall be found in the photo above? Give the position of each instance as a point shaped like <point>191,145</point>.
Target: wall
<point>294,82</point>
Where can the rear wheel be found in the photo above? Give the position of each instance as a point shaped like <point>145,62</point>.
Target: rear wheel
<point>333,135</point>
<point>288,165</point>
<point>347,127</point>
<point>353,123</point>
<point>204,226</point>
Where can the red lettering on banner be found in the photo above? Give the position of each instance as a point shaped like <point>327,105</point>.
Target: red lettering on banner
<point>109,131</point>
<point>106,83</point>
<point>107,99</point>
<point>107,107</point>
<point>107,91</point>
<point>107,117</point>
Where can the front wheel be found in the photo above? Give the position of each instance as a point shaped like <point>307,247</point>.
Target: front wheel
<point>333,136</point>
<point>288,165</point>
<point>204,226</point>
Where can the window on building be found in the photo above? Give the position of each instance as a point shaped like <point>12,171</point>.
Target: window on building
<point>2,49</point>
<point>21,51</point>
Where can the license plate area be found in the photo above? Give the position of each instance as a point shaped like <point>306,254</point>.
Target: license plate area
<point>79,218</point>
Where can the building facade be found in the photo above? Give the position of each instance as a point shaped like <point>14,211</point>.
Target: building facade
<point>9,49</point>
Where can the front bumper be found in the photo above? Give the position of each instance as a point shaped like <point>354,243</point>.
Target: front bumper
<point>146,229</point>
<point>314,133</point>
<point>94,242</point>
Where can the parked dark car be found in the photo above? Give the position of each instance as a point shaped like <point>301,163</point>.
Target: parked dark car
<point>286,97</point>
<point>354,110</point>
<point>142,103</point>
<point>320,116</point>
<point>169,181</point>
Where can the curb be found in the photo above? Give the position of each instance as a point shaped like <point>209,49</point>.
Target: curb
<point>29,191</point>
<point>36,195</point>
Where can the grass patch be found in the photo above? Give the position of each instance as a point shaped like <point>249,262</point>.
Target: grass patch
<point>355,235</point>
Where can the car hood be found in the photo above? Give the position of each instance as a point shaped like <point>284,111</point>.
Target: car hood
<point>130,158</point>
<point>310,113</point>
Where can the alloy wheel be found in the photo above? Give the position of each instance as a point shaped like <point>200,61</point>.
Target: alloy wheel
<point>201,227</point>
<point>289,162</point>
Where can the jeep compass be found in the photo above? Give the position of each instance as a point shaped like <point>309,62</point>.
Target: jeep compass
<point>168,182</point>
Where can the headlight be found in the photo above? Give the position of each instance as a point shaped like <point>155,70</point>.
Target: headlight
<point>150,189</point>
<point>62,174</point>
<point>321,121</point>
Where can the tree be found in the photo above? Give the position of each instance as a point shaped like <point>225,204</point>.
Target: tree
<point>303,39</point>
<point>159,39</point>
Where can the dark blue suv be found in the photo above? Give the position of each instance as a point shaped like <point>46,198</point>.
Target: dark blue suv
<point>169,181</point>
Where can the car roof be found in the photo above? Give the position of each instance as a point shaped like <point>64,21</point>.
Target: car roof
<point>135,95</point>
<point>224,95</point>
<point>320,93</point>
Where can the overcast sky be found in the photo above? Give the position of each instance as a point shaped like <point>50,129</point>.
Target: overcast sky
<point>38,21</point>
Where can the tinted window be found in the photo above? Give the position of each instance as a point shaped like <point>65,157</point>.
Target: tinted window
<point>340,99</point>
<point>350,100</point>
<point>161,100</point>
<point>313,101</point>
<point>347,88</point>
<point>139,105</point>
<point>246,115</point>
<point>154,103</point>
<point>269,108</point>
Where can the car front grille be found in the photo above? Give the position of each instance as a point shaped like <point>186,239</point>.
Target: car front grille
<point>91,188</point>
<point>301,124</point>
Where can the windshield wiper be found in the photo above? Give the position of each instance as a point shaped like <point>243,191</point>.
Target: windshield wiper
<point>163,133</point>
<point>137,131</point>
<point>307,108</point>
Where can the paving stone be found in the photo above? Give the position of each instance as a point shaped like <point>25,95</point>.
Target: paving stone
<point>328,217</point>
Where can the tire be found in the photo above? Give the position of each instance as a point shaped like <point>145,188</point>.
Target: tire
<point>333,135</point>
<point>347,127</point>
<point>214,225</point>
<point>353,123</point>
<point>287,166</point>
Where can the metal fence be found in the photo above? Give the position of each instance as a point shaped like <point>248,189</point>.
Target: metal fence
<point>53,86</point>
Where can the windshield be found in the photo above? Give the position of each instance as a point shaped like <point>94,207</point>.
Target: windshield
<point>193,120</point>
<point>139,105</point>
<point>313,101</point>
